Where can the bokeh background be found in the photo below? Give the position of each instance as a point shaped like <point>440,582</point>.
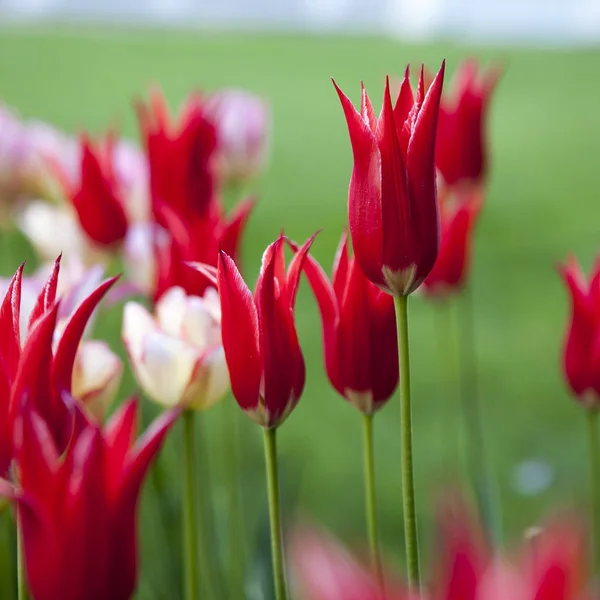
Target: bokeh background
<point>79,66</point>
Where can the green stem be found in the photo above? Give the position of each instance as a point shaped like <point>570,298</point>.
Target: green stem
<point>592,419</point>
<point>235,506</point>
<point>473,422</point>
<point>370,502</point>
<point>21,580</point>
<point>408,484</point>
<point>193,522</point>
<point>270,437</point>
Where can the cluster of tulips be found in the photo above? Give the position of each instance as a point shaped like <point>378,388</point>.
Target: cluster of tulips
<point>418,184</point>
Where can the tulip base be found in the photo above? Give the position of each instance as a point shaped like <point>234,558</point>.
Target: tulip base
<point>408,484</point>
<point>279,580</point>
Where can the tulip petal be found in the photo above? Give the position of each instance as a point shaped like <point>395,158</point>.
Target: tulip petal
<point>364,195</point>
<point>10,335</point>
<point>339,273</point>
<point>239,329</point>
<point>295,269</point>
<point>66,350</point>
<point>47,296</point>
<point>235,226</point>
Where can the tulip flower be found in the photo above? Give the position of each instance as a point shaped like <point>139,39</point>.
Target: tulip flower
<point>265,361</point>
<point>582,346</point>
<point>183,189</point>
<point>462,147</point>
<point>177,354</point>
<point>581,363</point>
<point>78,509</point>
<point>259,334</point>
<point>451,268</point>
<point>359,332</point>
<point>392,204</point>
<point>394,224</point>
<point>242,123</point>
<point>181,156</point>
<point>96,197</point>
<point>38,365</point>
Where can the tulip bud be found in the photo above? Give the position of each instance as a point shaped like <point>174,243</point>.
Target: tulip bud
<point>458,218</point>
<point>582,344</point>
<point>392,203</point>
<point>96,377</point>
<point>177,354</point>
<point>242,121</point>
<point>461,149</point>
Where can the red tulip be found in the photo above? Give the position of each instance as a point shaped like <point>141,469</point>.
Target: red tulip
<point>261,346</point>
<point>582,345</point>
<point>461,152</point>
<point>78,510</point>
<point>181,157</point>
<point>359,331</point>
<point>451,268</point>
<point>37,372</point>
<point>96,197</point>
<point>196,240</point>
<point>392,204</point>
<point>184,196</point>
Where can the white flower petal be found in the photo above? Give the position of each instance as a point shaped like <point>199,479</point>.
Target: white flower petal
<point>170,310</point>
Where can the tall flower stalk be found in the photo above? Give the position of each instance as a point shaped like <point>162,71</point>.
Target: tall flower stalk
<point>594,444</point>
<point>394,223</point>
<point>265,361</point>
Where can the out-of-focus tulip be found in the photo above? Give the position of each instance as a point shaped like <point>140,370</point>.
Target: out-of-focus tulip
<point>551,567</point>
<point>78,509</point>
<point>243,124</point>
<point>177,354</point>
<point>96,197</point>
<point>96,377</point>
<point>261,345</point>
<point>582,344</point>
<point>184,201</point>
<point>181,156</point>
<point>359,332</point>
<point>451,269</point>
<point>462,147</point>
<point>131,172</point>
<point>322,569</point>
<point>38,365</point>
<point>392,204</point>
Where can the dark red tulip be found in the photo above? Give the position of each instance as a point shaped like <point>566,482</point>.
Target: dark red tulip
<point>462,147</point>
<point>458,217</point>
<point>582,344</point>
<point>78,509</point>
<point>37,373</point>
<point>96,197</point>
<point>261,345</point>
<point>359,331</point>
<point>392,204</point>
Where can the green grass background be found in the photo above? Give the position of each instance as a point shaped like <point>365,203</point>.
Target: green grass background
<point>543,202</point>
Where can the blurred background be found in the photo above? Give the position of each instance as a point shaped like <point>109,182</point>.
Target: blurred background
<point>79,65</point>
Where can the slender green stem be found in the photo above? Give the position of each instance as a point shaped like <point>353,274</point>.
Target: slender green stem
<point>190,519</point>
<point>193,522</point>
<point>476,455</point>
<point>235,507</point>
<point>411,539</point>
<point>21,580</point>
<point>370,501</point>
<point>270,437</point>
<point>592,419</point>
